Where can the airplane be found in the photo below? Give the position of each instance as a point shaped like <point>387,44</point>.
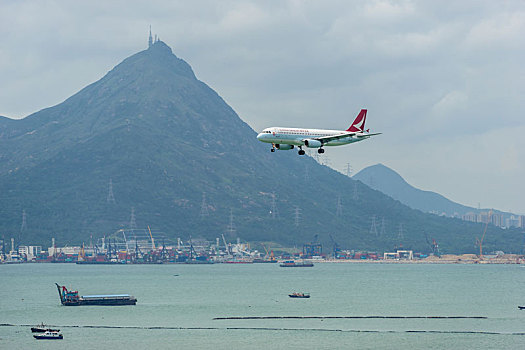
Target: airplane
<point>287,138</point>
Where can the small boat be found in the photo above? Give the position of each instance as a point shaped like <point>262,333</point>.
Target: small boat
<point>41,328</point>
<point>521,307</point>
<point>48,335</point>
<point>299,295</point>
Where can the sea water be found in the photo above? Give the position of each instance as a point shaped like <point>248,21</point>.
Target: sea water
<point>379,306</point>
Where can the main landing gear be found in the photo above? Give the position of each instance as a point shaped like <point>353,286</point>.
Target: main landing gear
<point>301,151</point>
<point>320,150</point>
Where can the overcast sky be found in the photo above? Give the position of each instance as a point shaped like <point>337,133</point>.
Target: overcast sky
<point>443,80</point>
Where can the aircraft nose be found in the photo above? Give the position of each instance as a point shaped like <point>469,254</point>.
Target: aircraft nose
<point>260,136</point>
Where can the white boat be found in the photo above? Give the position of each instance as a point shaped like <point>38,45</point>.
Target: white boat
<point>48,335</point>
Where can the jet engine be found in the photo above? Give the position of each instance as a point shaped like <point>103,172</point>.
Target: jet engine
<point>313,143</point>
<point>283,147</point>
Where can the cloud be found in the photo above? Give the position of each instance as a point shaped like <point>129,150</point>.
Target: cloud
<point>435,76</point>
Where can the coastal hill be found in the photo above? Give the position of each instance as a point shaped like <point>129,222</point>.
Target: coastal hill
<point>176,155</point>
<point>386,180</point>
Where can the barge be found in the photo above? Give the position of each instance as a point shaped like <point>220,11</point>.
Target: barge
<point>71,298</point>
<point>292,263</point>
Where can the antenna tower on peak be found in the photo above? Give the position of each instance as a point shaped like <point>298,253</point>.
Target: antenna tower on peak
<point>150,40</point>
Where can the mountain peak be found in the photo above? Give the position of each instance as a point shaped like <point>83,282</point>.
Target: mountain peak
<point>159,61</point>
<point>160,47</point>
<point>388,181</point>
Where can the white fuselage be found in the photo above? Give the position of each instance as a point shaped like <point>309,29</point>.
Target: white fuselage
<point>296,136</point>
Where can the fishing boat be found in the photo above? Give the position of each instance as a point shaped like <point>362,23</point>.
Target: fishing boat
<point>299,295</point>
<point>41,328</point>
<point>292,263</point>
<point>71,298</point>
<point>521,307</point>
<point>48,335</point>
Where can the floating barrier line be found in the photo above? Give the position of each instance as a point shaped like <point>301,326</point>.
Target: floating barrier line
<point>343,317</point>
<point>273,329</point>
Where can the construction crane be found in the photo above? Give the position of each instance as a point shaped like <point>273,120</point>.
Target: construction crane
<point>82,253</point>
<point>266,250</point>
<point>479,242</point>
<point>434,247</point>
<point>193,253</point>
<point>269,255</point>
<point>152,240</point>
<point>336,246</point>
<point>225,245</point>
<point>313,249</point>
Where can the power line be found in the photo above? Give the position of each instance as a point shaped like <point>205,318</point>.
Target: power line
<point>339,209</point>
<point>373,227</point>
<point>204,206</point>
<point>348,170</point>
<point>23,227</point>
<point>383,229</point>
<point>273,209</point>
<point>297,216</point>
<point>356,194</point>
<point>400,233</point>
<point>231,227</point>
<point>132,222</point>
<point>306,173</point>
<point>111,197</point>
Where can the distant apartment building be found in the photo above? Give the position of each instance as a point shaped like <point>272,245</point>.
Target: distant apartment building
<point>497,220</point>
<point>522,221</point>
<point>512,221</point>
<point>472,217</point>
<point>484,217</point>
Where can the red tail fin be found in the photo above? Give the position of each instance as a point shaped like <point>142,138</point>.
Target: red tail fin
<point>359,123</point>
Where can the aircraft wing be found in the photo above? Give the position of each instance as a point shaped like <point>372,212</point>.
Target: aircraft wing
<point>326,139</point>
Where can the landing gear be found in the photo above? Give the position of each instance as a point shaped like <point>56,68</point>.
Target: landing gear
<point>272,150</point>
<point>301,151</point>
<point>320,150</point>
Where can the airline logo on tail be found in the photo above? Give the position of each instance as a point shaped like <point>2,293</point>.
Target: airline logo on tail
<point>359,123</point>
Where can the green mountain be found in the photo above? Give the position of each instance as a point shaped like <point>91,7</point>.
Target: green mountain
<point>386,180</point>
<point>184,160</point>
